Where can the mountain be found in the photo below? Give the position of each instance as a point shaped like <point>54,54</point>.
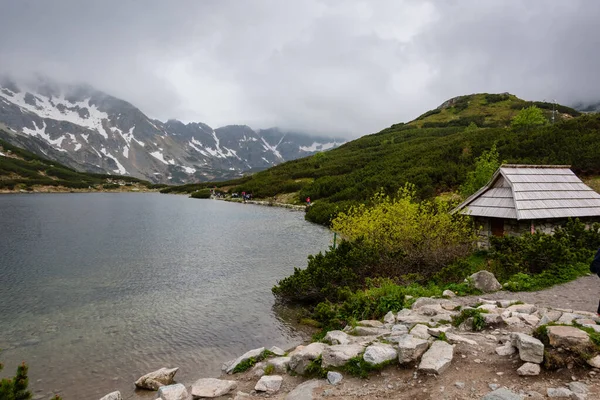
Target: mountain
<point>22,170</point>
<point>92,131</point>
<point>435,152</point>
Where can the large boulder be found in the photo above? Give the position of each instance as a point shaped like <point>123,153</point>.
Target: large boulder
<point>156,379</point>
<point>340,354</point>
<point>567,337</point>
<point>337,337</point>
<point>301,357</point>
<point>437,359</point>
<point>173,392</point>
<point>244,357</point>
<point>305,391</point>
<point>212,387</point>
<point>113,396</point>
<point>530,348</point>
<point>269,384</point>
<point>529,369</point>
<point>280,364</point>
<point>379,353</point>
<point>410,348</point>
<point>484,281</point>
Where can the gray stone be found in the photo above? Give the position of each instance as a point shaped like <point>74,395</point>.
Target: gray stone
<point>280,364</point>
<point>567,336</point>
<point>530,348</point>
<point>337,337</point>
<point>379,353</point>
<point>173,392</point>
<point>410,348</point>
<point>277,351</point>
<point>505,303</point>
<point>460,385</point>
<point>269,384</point>
<point>303,355</point>
<point>339,354</point>
<point>113,396</point>
<point>549,316</point>
<point>437,358</point>
<point>436,332</point>
<point>529,319</point>
<point>448,293</point>
<point>522,308</point>
<point>411,320</point>
<point>502,394</point>
<point>594,362</point>
<point>567,318</point>
<point>212,387</point>
<point>370,324</point>
<point>425,301</point>
<point>305,390</point>
<point>334,377</point>
<point>507,350</point>
<point>484,281</point>
<point>578,387</point>
<point>368,331</point>
<point>492,319</point>
<point>559,393</point>
<point>242,396</point>
<point>250,354</point>
<point>399,329</point>
<point>389,318</point>
<point>156,379</point>
<point>420,331</point>
<point>529,369</point>
<point>453,338</point>
<point>592,326</point>
<point>492,308</point>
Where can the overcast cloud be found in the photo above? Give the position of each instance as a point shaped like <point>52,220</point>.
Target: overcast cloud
<point>340,67</point>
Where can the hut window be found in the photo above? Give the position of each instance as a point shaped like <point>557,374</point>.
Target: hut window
<point>497,225</point>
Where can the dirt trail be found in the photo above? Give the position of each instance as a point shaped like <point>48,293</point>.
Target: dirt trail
<point>581,294</point>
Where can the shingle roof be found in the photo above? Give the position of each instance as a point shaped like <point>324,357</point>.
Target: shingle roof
<point>525,192</point>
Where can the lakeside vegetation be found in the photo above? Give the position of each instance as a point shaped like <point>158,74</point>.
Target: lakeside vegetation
<point>23,170</point>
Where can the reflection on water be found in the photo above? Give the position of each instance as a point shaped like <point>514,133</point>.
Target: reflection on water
<point>97,289</point>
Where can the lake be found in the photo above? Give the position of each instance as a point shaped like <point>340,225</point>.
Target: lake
<point>98,289</point>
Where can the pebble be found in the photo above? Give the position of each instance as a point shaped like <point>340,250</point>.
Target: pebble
<point>559,393</point>
<point>460,385</point>
<point>493,386</point>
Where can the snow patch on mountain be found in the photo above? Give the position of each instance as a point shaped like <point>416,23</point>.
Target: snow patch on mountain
<point>120,168</point>
<point>318,147</point>
<point>2,154</point>
<point>41,132</point>
<point>273,149</point>
<point>189,170</point>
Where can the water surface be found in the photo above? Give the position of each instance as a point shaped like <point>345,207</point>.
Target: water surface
<point>98,289</point>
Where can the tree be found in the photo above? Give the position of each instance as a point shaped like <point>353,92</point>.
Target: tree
<point>16,388</point>
<point>485,166</point>
<point>528,119</point>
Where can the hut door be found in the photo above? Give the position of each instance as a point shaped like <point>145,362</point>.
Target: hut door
<point>497,226</point>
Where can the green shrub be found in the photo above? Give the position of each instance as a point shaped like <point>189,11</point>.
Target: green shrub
<point>110,186</point>
<point>315,370</point>
<point>556,274</point>
<point>475,313</point>
<point>201,194</point>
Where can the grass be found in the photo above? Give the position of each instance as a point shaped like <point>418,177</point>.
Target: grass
<point>475,314</point>
<point>250,362</point>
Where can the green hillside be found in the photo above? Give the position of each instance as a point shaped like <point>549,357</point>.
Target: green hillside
<point>434,152</point>
<point>23,170</point>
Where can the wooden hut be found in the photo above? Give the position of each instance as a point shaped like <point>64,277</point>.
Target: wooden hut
<point>526,198</point>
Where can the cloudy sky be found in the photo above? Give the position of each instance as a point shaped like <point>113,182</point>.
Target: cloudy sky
<point>348,67</point>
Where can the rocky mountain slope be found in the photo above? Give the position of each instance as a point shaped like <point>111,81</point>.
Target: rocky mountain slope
<point>93,131</point>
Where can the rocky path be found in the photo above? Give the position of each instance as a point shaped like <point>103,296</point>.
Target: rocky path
<point>581,294</point>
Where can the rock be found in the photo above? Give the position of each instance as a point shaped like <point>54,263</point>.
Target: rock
<point>502,394</point>
<point>448,293</point>
<point>492,308</point>
<point>420,331</point>
<point>436,332</point>
<point>530,348</point>
<point>339,354</point>
<point>277,351</point>
<point>594,362</point>
<point>156,379</point>
<point>592,326</point>
<point>411,320</point>
<point>567,337</point>
<point>505,303</point>
<point>454,339</point>
<point>242,396</point>
<point>337,337</point>
<point>550,316</point>
<point>460,385</point>
<point>173,392</point>
<point>269,384</point>
<point>399,329</point>
<point>280,364</point>
<point>424,301</point>
<point>389,318</point>
<point>529,369</point>
<point>431,310</point>
<point>567,318</point>
<point>367,331</point>
<point>334,377</point>
<point>370,324</point>
<point>410,348</point>
<point>212,387</point>
<point>529,319</point>
<point>250,354</point>
<point>302,357</point>
<point>559,393</point>
<point>437,358</point>
<point>492,319</point>
<point>507,350</point>
<point>513,321</point>
<point>113,396</point>
<point>578,387</point>
<point>305,390</point>
<point>379,353</point>
<point>484,281</point>
<point>522,308</point>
